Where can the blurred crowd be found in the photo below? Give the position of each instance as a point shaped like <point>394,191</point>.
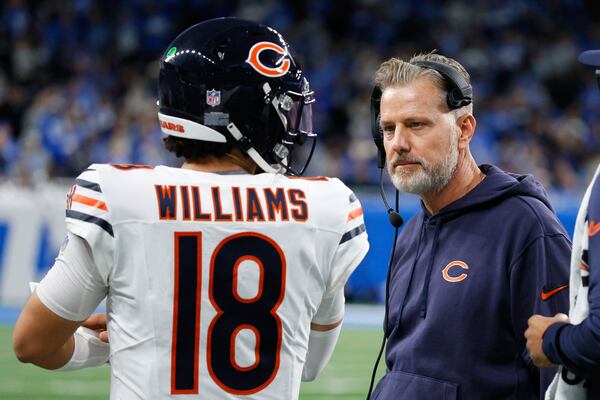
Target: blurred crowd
<point>78,78</point>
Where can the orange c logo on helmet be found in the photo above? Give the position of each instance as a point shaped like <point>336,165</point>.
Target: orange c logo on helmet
<point>454,279</point>
<point>282,66</point>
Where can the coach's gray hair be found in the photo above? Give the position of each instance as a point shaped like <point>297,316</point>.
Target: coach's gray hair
<point>396,72</point>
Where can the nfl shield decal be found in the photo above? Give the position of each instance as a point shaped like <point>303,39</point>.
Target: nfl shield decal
<point>213,97</point>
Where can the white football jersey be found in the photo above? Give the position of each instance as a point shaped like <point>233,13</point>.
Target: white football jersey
<point>213,279</point>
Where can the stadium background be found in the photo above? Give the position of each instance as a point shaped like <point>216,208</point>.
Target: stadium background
<point>78,85</point>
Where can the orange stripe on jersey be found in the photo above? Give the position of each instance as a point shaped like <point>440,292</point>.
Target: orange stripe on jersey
<point>584,267</point>
<point>88,201</point>
<point>594,228</point>
<point>355,214</point>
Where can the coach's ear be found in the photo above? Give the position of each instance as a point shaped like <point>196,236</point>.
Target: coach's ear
<point>466,124</point>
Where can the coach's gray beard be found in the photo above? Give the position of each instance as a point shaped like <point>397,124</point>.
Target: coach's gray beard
<point>430,178</point>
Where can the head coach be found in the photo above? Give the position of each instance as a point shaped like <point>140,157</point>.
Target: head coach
<point>485,252</point>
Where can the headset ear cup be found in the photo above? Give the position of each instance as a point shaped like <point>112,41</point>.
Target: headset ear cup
<point>450,100</point>
<point>454,99</point>
<point>375,104</point>
<point>375,128</point>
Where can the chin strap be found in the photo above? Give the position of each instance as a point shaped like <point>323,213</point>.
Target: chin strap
<point>251,151</point>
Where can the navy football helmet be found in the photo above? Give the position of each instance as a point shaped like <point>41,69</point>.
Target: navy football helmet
<point>236,81</point>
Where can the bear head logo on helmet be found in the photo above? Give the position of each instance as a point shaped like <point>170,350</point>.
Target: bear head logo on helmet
<point>228,80</point>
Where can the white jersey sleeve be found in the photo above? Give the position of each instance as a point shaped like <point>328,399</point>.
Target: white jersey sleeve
<point>78,280</point>
<point>88,216</point>
<point>73,288</point>
<point>353,244</point>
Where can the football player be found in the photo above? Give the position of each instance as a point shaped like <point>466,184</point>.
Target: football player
<point>223,277</point>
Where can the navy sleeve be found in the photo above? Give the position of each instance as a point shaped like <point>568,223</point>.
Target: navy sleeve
<point>577,347</point>
<point>541,270</point>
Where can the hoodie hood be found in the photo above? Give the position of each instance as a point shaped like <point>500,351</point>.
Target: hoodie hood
<point>496,186</point>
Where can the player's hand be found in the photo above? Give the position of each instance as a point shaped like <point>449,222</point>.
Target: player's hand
<point>97,322</point>
<point>534,334</point>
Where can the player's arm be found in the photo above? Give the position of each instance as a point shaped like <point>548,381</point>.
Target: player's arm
<point>323,335</point>
<point>577,347</point>
<point>327,322</point>
<point>42,337</point>
<point>46,332</point>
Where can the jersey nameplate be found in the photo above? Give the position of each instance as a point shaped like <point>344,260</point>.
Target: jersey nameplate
<point>188,203</point>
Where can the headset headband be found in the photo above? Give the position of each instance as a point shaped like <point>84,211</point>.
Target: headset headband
<point>459,95</point>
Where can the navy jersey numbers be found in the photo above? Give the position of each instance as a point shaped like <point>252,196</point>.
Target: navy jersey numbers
<point>234,313</point>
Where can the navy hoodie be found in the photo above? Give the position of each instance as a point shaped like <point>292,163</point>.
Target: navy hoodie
<point>463,285</point>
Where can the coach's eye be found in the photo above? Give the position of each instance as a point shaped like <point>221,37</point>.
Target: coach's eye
<point>388,129</point>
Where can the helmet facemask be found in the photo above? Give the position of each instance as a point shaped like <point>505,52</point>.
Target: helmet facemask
<point>294,110</point>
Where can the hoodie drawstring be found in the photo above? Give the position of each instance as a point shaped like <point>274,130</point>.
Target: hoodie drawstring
<point>412,272</point>
<point>434,246</point>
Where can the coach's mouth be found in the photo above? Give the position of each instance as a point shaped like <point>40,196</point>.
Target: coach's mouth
<point>406,164</point>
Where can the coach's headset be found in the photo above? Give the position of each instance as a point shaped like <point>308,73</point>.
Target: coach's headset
<point>459,94</point>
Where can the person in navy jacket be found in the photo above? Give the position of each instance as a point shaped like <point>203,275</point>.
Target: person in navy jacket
<point>485,252</point>
<point>555,341</point>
